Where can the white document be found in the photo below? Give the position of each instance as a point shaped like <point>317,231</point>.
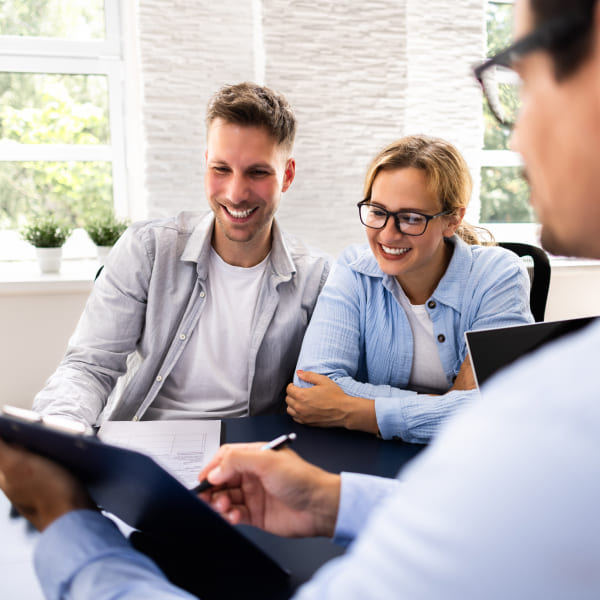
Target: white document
<point>181,447</point>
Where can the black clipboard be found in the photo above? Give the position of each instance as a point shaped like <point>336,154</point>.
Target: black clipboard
<point>196,548</point>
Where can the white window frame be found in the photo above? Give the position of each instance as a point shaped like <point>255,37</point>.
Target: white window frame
<point>20,54</point>
<point>510,232</point>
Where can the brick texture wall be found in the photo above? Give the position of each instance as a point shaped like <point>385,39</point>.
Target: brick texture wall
<point>359,74</point>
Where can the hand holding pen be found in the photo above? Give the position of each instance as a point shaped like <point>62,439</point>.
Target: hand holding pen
<point>276,444</point>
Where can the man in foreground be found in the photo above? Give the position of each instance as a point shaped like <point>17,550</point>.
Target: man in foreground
<point>205,313</point>
<point>504,504</point>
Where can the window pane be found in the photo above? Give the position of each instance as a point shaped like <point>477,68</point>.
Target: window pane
<point>49,108</point>
<point>66,19</point>
<point>495,135</point>
<point>74,191</point>
<point>499,26</point>
<point>504,196</point>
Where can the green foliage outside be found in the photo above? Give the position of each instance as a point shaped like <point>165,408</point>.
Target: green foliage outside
<point>53,109</point>
<point>79,19</point>
<point>105,232</point>
<point>504,196</point>
<point>504,193</point>
<point>46,231</point>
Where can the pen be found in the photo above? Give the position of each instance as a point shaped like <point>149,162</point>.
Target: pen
<point>277,444</point>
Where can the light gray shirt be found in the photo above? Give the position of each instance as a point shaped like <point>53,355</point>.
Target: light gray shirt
<point>146,304</point>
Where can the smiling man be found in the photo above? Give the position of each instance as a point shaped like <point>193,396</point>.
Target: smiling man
<point>204,314</point>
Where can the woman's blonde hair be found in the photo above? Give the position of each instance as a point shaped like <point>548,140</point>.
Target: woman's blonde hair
<point>447,173</point>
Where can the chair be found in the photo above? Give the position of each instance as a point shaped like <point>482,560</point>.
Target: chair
<point>538,267</point>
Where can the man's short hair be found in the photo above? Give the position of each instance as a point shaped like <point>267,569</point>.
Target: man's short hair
<point>250,104</point>
<point>567,57</point>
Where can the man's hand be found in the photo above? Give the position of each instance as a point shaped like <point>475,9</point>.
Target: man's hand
<point>276,491</point>
<point>326,405</point>
<point>40,490</point>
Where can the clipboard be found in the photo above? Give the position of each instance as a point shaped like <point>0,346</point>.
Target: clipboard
<point>195,547</point>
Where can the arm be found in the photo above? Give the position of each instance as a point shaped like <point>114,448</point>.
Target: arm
<point>276,491</point>
<point>78,546</point>
<point>106,335</point>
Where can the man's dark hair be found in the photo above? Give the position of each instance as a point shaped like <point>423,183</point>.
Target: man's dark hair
<point>250,104</point>
<point>567,57</point>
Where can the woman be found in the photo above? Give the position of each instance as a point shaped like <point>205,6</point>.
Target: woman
<point>385,349</point>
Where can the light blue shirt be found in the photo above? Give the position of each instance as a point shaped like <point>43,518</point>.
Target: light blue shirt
<point>504,504</point>
<point>360,337</point>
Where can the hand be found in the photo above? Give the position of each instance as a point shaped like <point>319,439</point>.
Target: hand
<point>39,489</point>
<point>465,380</point>
<point>276,491</point>
<point>326,405</point>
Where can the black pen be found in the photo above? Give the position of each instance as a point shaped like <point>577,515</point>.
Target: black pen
<point>277,444</point>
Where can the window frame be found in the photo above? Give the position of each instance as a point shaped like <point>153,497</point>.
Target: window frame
<point>516,231</point>
<point>29,54</point>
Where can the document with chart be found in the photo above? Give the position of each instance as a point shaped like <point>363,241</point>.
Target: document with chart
<point>182,448</point>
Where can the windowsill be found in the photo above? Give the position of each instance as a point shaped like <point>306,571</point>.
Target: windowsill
<point>24,277</point>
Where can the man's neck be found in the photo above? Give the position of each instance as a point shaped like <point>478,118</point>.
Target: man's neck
<point>242,254</point>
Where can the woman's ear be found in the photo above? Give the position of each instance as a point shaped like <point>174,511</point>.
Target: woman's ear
<point>453,221</point>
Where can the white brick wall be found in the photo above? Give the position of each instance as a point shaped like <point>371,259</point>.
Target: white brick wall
<point>359,74</point>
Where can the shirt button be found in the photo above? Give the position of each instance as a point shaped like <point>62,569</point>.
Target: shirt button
<point>431,304</point>
<point>182,336</point>
<point>202,294</point>
<point>441,338</point>
<point>159,377</point>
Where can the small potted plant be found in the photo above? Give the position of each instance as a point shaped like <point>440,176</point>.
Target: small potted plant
<point>104,232</point>
<point>47,235</point>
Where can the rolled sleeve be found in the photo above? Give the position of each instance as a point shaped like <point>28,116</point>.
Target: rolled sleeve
<point>416,418</point>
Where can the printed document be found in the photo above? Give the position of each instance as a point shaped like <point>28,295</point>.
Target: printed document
<point>180,447</point>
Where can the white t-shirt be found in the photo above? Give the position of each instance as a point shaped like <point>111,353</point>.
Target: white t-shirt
<point>427,373</point>
<point>210,380</point>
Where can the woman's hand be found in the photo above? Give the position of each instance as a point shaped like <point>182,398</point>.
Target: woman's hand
<point>276,491</point>
<point>465,380</point>
<point>325,404</point>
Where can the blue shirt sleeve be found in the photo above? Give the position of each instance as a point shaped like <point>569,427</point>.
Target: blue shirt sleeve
<point>84,555</point>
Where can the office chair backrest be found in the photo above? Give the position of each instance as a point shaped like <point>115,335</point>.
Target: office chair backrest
<point>539,275</point>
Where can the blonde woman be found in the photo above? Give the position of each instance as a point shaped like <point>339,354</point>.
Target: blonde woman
<point>385,349</point>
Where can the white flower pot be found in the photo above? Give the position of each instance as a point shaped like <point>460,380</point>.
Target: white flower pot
<point>102,253</point>
<point>49,259</point>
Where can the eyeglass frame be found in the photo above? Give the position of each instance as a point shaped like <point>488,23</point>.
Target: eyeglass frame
<point>546,36</point>
<point>394,215</point>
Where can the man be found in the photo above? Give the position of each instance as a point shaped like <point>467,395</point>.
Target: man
<point>504,504</point>
<point>205,314</point>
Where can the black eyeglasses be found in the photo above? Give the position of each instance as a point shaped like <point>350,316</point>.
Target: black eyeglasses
<point>408,222</point>
<point>500,83</point>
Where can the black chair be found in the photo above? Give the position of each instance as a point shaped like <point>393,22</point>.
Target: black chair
<point>539,274</point>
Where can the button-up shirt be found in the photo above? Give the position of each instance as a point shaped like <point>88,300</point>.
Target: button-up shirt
<point>147,301</point>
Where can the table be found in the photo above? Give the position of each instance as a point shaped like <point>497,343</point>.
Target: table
<point>333,449</point>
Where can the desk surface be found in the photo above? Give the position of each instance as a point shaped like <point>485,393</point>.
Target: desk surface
<point>333,449</point>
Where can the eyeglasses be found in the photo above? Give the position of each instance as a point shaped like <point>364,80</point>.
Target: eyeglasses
<point>407,222</point>
<point>500,83</point>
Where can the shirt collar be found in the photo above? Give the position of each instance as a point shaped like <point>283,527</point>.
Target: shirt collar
<point>449,289</point>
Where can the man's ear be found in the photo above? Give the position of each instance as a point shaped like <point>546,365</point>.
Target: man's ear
<point>453,221</point>
<point>206,158</point>
<point>290,173</point>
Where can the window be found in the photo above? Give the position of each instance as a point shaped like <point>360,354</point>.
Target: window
<point>61,110</point>
<point>504,192</point>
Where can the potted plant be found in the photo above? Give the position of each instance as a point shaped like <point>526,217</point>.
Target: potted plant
<point>104,232</point>
<point>47,235</point>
